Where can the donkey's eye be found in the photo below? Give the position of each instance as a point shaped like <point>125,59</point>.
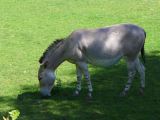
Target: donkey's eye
<point>42,84</point>
<point>50,84</point>
<point>39,78</point>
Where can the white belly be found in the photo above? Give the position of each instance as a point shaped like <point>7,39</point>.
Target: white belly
<point>104,62</point>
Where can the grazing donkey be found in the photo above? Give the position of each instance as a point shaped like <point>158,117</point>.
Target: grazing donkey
<point>101,47</point>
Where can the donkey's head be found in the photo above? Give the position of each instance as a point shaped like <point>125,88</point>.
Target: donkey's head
<point>46,80</point>
<point>46,74</point>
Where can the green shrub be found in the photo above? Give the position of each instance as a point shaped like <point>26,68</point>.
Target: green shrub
<point>12,115</point>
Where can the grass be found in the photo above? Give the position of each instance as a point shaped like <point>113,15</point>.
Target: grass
<point>27,27</point>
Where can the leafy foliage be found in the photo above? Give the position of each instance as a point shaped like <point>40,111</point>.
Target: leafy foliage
<point>12,115</point>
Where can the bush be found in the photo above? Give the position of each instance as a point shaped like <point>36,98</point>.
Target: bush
<point>12,115</point>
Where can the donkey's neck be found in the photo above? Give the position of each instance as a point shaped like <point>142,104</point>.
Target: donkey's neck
<point>56,58</point>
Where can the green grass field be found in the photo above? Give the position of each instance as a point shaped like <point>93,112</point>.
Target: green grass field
<point>27,27</point>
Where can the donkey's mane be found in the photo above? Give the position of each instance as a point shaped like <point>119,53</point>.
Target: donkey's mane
<point>50,47</point>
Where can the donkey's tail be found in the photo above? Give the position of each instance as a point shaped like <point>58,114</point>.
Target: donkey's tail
<point>143,54</point>
<point>143,51</point>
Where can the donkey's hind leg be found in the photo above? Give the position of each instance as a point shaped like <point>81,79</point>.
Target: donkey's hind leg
<point>131,64</point>
<point>141,70</point>
<point>79,79</point>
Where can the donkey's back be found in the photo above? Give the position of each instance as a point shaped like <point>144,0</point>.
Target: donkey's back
<point>105,46</point>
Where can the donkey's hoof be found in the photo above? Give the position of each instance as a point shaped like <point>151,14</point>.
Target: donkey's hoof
<point>76,93</point>
<point>88,98</point>
<point>123,94</point>
<point>141,91</point>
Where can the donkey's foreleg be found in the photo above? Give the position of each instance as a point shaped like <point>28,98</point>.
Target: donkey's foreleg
<point>90,89</point>
<point>84,68</point>
<point>79,79</point>
<point>131,74</point>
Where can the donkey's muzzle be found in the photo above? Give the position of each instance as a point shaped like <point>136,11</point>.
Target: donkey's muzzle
<point>45,96</point>
<point>45,93</point>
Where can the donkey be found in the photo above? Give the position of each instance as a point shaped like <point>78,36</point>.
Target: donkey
<point>101,47</point>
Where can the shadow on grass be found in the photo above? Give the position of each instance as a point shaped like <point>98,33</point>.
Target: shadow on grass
<point>5,101</point>
<point>107,83</point>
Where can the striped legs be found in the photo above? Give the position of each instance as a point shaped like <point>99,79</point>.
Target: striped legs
<point>132,67</point>
<point>79,79</point>
<point>82,68</point>
<point>141,70</point>
<point>131,74</point>
<point>89,84</point>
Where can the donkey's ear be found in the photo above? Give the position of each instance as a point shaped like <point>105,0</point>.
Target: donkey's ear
<point>41,59</point>
<point>45,64</point>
